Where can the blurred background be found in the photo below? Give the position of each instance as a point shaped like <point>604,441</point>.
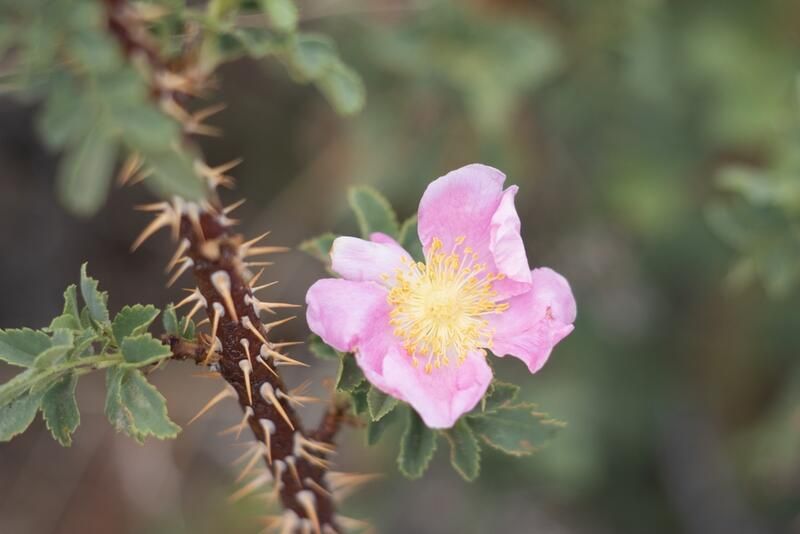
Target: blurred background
<point>656,147</point>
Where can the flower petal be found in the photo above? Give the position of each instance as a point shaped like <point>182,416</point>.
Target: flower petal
<point>507,248</point>
<point>345,313</point>
<point>441,396</point>
<point>536,321</point>
<point>359,260</point>
<point>470,202</point>
<point>460,203</point>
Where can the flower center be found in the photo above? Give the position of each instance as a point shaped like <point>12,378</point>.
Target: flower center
<point>440,307</point>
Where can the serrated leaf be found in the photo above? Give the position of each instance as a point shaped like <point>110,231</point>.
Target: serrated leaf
<point>15,387</point>
<point>66,116</point>
<point>96,300</point>
<point>21,346</point>
<point>500,394</point>
<point>85,173</point>
<point>17,416</point>
<point>319,247</point>
<point>170,321</point>
<point>322,350</point>
<point>373,212</point>
<point>349,375</point>
<point>416,446</point>
<point>143,350</point>
<point>282,13</point>
<point>83,343</point>
<point>60,409</point>
<point>343,88</point>
<point>515,430</point>
<point>409,238</point>
<point>147,406</point>
<point>358,398</point>
<point>465,452</point>
<point>376,429</point>
<point>379,403</point>
<point>133,320</point>
<point>62,342</point>
<point>118,415</point>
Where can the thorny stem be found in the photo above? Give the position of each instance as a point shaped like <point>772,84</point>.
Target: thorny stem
<point>246,359</point>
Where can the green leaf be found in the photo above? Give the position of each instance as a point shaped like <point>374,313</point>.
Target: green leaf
<point>319,247</point>
<point>147,406</point>
<point>173,174</point>
<point>358,398</point>
<point>322,350</point>
<point>143,350</point>
<point>17,386</point>
<point>311,56</point>
<point>96,300</point>
<point>170,321</point>
<point>83,343</point>
<point>70,316</point>
<point>379,403</point>
<point>18,415</point>
<point>133,320</point>
<point>465,452</point>
<point>349,375</point>
<point>21,346</point>
<point>343,88</point>
<point>282,13</point>
<point>118,414</point>
<point>135,407</point>
<point>85,174</point>
<point>500,394</point>
<point>515,430</point>
<point>409,239</point>
<point>65,117</point>
<point>60,409</point>
<point>373,212</point>
<point>376,429</point>
<point>416,446</point>
<point>62,342</point>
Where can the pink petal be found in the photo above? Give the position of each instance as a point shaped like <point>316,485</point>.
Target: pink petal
<point>536,321</point>
<point>359,260</point>
<point>470,202</point>
<point>507,247</point>
<point>440,397</point>
<point>345,313</point>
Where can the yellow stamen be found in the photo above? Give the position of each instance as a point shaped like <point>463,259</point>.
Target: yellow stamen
<point>439,308</point>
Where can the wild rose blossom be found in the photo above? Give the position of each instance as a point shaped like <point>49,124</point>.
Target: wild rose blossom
<point>420,331</point>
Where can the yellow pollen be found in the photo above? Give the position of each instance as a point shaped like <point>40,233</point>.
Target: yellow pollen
<point>440,308</point>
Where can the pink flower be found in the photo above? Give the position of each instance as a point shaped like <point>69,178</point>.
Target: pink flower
<point>419,331</point>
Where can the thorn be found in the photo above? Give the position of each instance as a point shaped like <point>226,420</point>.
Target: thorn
<point>282,358</point>
<point>140,176</point>
<point>308,502</point>
<point>218,311</point>
<point>255,278</point>
<point>152,207</point>
<point>195,295</point>
<point>248,411</point>
<point>216,175</point>
<point>314,485</point>
<point>208,112</point>
<point>155,225</point>
<point>194,217</point>
<point>258,251</point>
<point>129,168</point>
<point>265,364</point>
<point>183,246</point>
<point>273,324</point>
<point>343,484</point>
<point>286,344</point>
<point>204,322</point>
<point>221,281</point>
<point>226,210</point>
<point>320,446</point>
<point>200,304</point>
<point>256,456</point>
<point>249,264</point>
<point>246,345</point>
<point>222,395</point>
<point>290,461</point>
<point>268,394</point>
<point>248,244</point>
<point>251,486</point>
<point>263,286</point>
<point>270,307</point>
<point>269,428</point>
<point>247,323</point>
<point>187,263</point>
<point>247,368</point>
